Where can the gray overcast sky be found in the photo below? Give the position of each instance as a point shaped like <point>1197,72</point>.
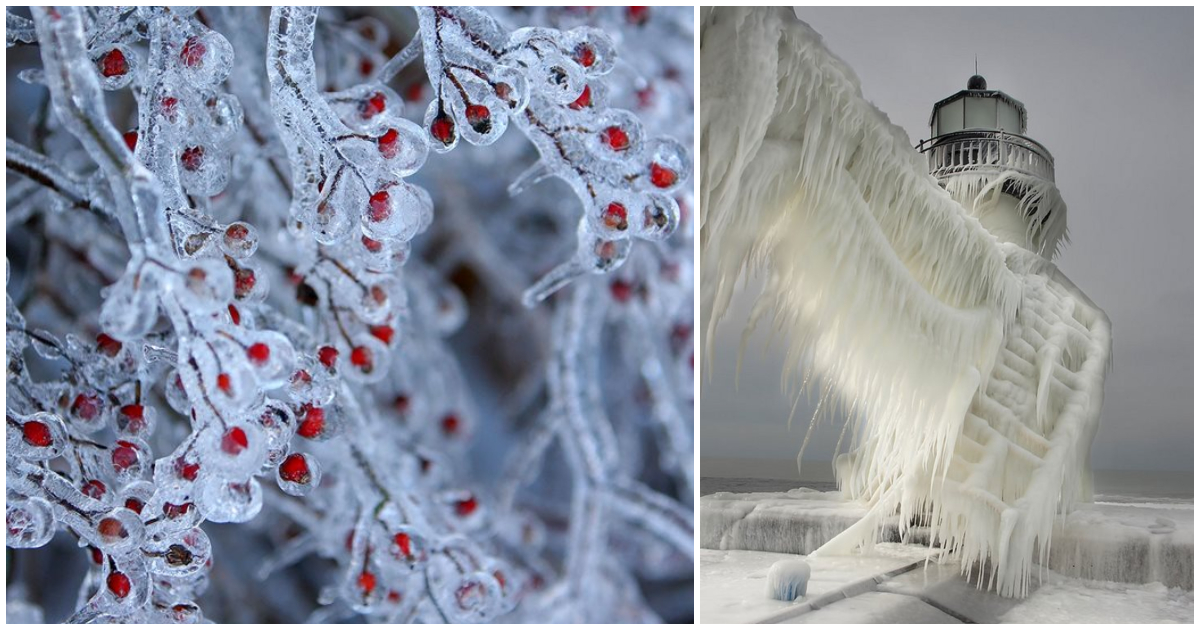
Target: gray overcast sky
<point>1110,93</point>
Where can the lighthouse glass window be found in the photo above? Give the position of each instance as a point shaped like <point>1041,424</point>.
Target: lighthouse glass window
<point>981,113</point>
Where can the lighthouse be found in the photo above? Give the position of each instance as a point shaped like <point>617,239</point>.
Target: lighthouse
<point>978,151</point>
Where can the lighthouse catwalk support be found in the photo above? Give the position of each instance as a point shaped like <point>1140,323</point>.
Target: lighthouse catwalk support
<point>971,368</point>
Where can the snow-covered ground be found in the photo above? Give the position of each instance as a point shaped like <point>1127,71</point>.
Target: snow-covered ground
<point>1141,549</point>
<point>732,589</point>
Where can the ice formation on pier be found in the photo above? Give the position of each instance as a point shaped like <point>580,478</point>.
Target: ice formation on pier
<point>971,367</point>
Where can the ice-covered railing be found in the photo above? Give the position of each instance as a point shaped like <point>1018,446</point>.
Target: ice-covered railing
<point>953,153</point>
<point>242,290</point>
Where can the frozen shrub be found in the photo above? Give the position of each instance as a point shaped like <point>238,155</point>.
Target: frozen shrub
<point>257,277</point>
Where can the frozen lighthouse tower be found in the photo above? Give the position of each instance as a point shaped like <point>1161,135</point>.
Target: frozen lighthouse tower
<point>929,308</point>
<point>977,141</point>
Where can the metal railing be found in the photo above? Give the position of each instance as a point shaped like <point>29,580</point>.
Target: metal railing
<point>962,151</point>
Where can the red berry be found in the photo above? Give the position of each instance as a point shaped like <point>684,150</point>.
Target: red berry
<point>37,433</point>
<point>404,542</point>
<point>130,138</point>
<point>645,97</point>
<point>465,507</point>
<point>234,315</point>
<point>187,470</point>
<point>383,333</point>
<point>372,245</point>
<point>111,528</point>
<point>295,469</point>
<point>134,412</point>
<point>97,555</point>
<point>243,282</point>
<point>389,143</point>
<point>361,357</point>
<point>373,105</point>
<point>585,55</point>
<point>442,129</point>
<point>259,353</point>
<point>414,90</point>
<point>86,406</point>
<point>124,455</point>
<point>365,67</point>
<point>193,52</point>
<point>621,290</point>
<point>237,232</point>
<point>192,158</point>
<point>584,100</point>
<point>662,176</point>
<point>134,504</point>
<point>169,105</point>
<point>118,584</point>
<point>402,404</point>
<point>234,441</point>
<point>637,15</point>
<point>173,511</point>
<point>450,424</point>
<point>380,208</point>
<point>616,138</point>
<point>615,216</point>
<point>366,582</point>
<point>479,118</point>
<point>113,63</point>
<point>327,355</point>
<point>313,424</point>
<point>224,383</point>
<point>94,488</point>
<point>107,345</point>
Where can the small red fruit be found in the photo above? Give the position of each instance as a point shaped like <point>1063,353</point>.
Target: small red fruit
<point>362,358</point>
<point>615,138</point>
<point>234,441</point>
<point>380,208</point>
<point>621,290</point>
<point>94,488</point>
<point>442,129</point>
<point>243,282</point>
<point>585,55</point>
<point>313,424</point>
<point>86,407</point>
<point>192,158</point>
<point>113,63</point>
<point>118,584</point>
<point>366,582</point>
<point>389,143</point>
<point>383,333</point>
<point>637,15</point>
<point>584,100</point>
<point>327,355</point>
<point>402,404</point>
<point>187,470</point>
<point>295,469</point>
<point>224,383</point>
<point>234,315</point>
<point>36,433</point>
<point>259,353</point>
<point>107,345</point>
<point>450,424</point>
<point>111,528</point>
<point>124,455</point>
<point>372,245</point>
<point>615,216</point>
<point>662,176</point>
<point>193,52</point>
<point>372,106</point>
<point>130,138</point>
<point>169,106</point>
<point>465,507</point>
<point>404,542</point>
<point>480,118</point>
<point>134,504</point>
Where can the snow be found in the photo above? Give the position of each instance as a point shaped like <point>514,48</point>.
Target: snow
<point>797,521</point>
<point>965,410</point>
<point>787,580</point>
<point>731,588</point>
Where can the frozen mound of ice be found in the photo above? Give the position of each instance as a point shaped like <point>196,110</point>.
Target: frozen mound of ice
<point>972,370</point>
<point>787,580</point>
